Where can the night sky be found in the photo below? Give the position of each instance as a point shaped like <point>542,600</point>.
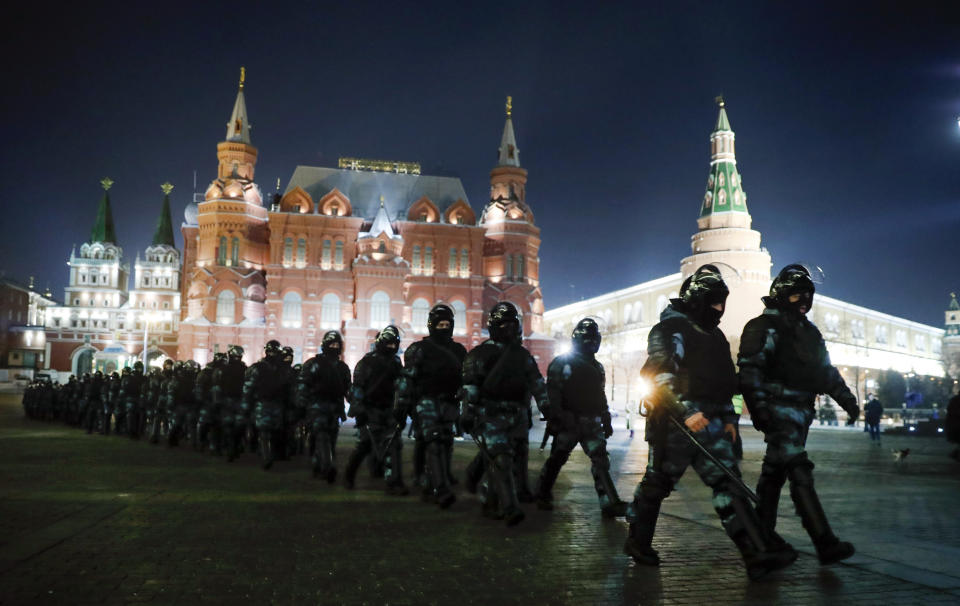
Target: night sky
<point>845,116</point>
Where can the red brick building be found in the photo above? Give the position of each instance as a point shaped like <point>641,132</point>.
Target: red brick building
<point>352,248</point>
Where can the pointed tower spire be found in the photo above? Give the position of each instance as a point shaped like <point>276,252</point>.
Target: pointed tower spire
<point>163,234</point>
<point>103,227</point>
<point>381,223</point>
<point>509,154</point>
<point>238,128</point>
<point>724,188</point>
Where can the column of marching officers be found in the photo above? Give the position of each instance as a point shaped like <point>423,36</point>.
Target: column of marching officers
<point>278,410</point>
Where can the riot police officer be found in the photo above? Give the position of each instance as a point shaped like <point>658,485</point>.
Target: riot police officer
<point>181,401</point>
<point>207,431</point>
<point>428,391</point>
<point>323,384</point>
<point>131,386</point>
<point>93,397</point>
<point>227,393</point>
<point>575,385</point>
<point>371,405</point>
<point>499,377</point>
<point>156,401</point>
<point>265,394</point>
<point>690,363</point>
<point>784,364</point>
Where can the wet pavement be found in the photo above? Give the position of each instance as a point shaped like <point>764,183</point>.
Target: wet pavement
<point>92,519</point>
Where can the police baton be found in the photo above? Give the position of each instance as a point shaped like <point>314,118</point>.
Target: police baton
<point>373,443</point>
<point>734,477</point>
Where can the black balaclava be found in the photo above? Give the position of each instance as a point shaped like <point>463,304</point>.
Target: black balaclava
<point>439,313</point>
<point>586,337</point>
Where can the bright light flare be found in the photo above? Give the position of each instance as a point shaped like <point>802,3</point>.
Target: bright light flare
<point>645,388</point>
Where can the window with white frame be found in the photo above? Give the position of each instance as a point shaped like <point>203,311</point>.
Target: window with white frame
<point>287,252</point>
<point>416,261</point>
<point>379,309</point>
<point>338,255</point>
<point>857,329</point>
<point>330,311</point>
<point>226,307</point>
<point>901,338</point>
<point>880,334</point>
<point>464,263</point>
<point>459,317</point>
<point>418,314</point>
<point>920,342</point>
<point>428,261</point>
<point>661,304</point>
<point>452,263</point>
<point>301,252</point>
<point>291,310</point>
<point>325,254</point>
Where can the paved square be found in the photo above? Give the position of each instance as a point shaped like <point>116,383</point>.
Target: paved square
<point>88,519</point>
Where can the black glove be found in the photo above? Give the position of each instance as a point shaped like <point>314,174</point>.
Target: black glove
<point>362,419</point>
<point>607,425</point>
<point>761,418</point>
<point>848,402</point>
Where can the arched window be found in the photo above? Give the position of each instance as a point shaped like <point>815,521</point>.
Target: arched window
<point>291,310</point>
<point>626,313</point>
<point>222,251</point>
<point>419,312</point>
<point>325,255</point>
<point>301,252</point>
<point>379,309</point>
<point>459,317</point>
<point>226,307</point>
<point>662,302</point>
<point>880,334</point>
<point>338,255</point>
<point>330,311</point>
<point>287,252</point>
<point>638,312</point>
<point>235,252</point>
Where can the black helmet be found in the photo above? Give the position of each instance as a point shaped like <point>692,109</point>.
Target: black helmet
<point>440,313</point>
<point>586,336</point>
<point>298,367</point>
<point>235,352</point>
<point>792,280</point>
<point>504,323</point>
<point>388,340</point>
<point>700,292</point>
<point>272,348</point>
<point>125,371</point>
<point>219,358</point>
<point>287,355</point>
<point>332,344</point>
<point>168,364</point>
<point>138,366</point>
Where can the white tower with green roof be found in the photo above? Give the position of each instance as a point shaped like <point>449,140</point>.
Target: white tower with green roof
<point>725,236</point>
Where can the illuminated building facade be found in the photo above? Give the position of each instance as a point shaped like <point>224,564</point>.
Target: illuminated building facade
<point>862,342</point>
<point>104,326</point>
<point>352,248</point>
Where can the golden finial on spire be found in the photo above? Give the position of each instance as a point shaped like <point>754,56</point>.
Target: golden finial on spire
<point>167,188</point>
<point>243,76</point>
<point>381,200</point>
<point>719,100</point>
<point>509,105</point>
<point>278,183</point>
<point>106,183</point>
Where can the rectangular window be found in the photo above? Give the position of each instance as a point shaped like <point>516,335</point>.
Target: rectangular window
<point>325,255</point>
<point>464,263</point>
<point>287,252</point>
<point>428,261</point>
<point>338,255</point>
<point>222,251</point>
<point>416,260</point>
<point>301,252</point>
<point>235,252</point>
<point>452,262</point>
<point>519,267</point>
<point>509,272</point>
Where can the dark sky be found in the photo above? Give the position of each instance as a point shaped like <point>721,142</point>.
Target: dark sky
<point>845,115</point>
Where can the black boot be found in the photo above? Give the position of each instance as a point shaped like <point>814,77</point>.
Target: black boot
<point>436,470</point>
<point>610,504</point>
<point>830,549</point>
<point>266,449</point>
<point>521,475</point>
<point>768,489</point>
<point>419,461</point>
<point>353,465</point>
<point>548,477</point>
<point>640,539</point>
<point>748,534</point>
<point>474,473</point>
<point>322,458</point>
<point>394,464</point>
<point>502,473</point>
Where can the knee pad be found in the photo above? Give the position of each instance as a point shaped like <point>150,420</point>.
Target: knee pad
<point>655,486</point>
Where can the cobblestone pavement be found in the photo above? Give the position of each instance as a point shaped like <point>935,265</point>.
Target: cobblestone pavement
<point>88,519</point>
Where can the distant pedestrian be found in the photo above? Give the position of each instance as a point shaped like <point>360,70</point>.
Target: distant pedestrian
<point>953,424</point>
<point>871,418</point>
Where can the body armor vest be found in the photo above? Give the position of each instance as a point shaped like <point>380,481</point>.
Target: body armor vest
<point>706,373</point>
<point>800,361</point>
<point>582,386</point>
<point>381,372</point>
<point>231,378</point>
<point>440,368</point>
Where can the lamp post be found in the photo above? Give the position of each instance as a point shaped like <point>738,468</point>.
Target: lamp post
<point>147,317</point>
